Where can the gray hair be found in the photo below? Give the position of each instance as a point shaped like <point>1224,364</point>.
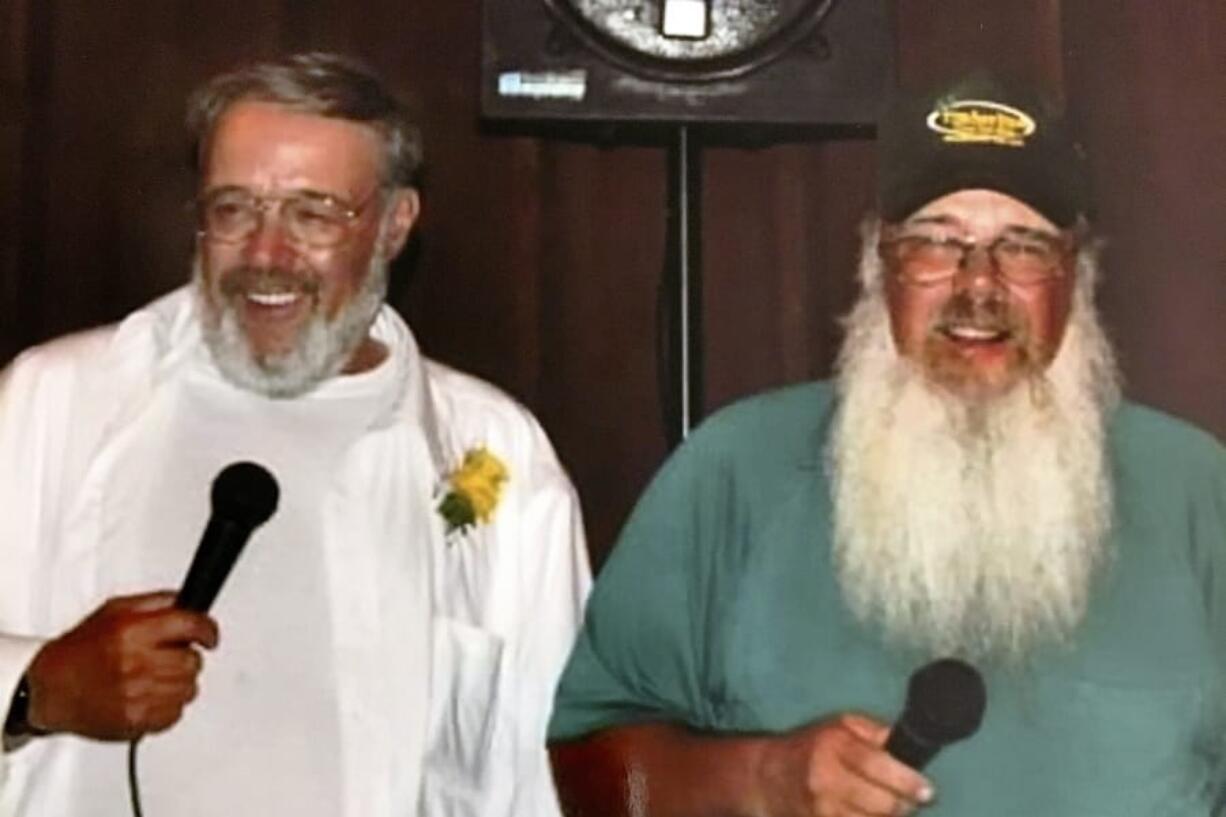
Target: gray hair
<point>319,83</point>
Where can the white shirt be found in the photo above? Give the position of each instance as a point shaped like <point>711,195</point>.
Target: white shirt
<point>369,665</point>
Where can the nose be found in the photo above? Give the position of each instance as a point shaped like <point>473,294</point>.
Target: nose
<point>269,244</point>
<point>977,273</point>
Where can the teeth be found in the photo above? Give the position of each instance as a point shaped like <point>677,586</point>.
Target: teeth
<point>972,333</point>
<point>273,298</point>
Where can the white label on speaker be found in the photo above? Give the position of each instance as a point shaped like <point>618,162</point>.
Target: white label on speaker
<point>543,84</point>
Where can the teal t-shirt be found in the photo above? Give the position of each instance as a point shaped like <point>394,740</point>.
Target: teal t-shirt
<point>719,609</point>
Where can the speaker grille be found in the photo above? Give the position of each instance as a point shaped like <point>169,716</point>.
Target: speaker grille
<point>741,35</point>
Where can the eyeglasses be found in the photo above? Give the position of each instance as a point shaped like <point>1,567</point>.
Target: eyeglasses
<point>233,214</point>
<point>1023,257</point>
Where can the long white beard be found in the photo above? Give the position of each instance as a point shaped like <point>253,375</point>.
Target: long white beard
<point>323,348</point>
<point>970,528</point>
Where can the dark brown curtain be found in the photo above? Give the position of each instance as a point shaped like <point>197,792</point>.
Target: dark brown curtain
<point>537,262</point>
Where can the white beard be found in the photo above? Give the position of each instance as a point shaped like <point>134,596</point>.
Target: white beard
<point>970,528</point>
<point>323,347</point>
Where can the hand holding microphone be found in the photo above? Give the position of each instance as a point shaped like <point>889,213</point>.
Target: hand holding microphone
<point>854,765</point>
<point>131,666</point>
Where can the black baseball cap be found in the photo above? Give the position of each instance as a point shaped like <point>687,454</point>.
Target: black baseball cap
<point>980,131</point>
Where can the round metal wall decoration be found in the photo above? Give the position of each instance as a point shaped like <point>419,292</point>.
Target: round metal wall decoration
<point>736,37</point>
<point>721,62</point>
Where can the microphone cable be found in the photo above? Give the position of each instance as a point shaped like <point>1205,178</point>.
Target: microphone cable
<point>133,782</point>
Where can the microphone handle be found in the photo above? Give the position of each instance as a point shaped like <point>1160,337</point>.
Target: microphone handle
<point>219,547</point>
<point>903,744</point>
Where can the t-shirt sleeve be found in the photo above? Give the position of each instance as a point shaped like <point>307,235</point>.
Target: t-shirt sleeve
<point>643,651</point>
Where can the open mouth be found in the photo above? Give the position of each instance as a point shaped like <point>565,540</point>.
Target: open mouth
<point>267,289</point>
<point>975,334</point>
<point>273,299</point>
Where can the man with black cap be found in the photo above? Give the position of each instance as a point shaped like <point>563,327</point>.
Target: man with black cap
<point>970,485</point>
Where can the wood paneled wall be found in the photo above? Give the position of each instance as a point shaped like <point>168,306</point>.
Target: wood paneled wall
<point>538,260</point>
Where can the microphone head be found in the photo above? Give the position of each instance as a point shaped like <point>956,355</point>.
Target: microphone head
<point>245,493</point>
<point>945,701</point>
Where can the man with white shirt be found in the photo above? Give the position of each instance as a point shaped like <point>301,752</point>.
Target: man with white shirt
<point>389,641</point>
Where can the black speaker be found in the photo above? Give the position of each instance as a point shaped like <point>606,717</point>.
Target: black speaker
<point>787,62</point>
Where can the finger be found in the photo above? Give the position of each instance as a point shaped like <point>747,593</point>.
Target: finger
<point>161,718</point>
<point>142,602</point>
<point>147,695</point>
<point>175,693</point>
<point>901,779</point>
<point>877,768</point>
<point>871,800</point>
<point>174,663</point>
<point>176,627</point>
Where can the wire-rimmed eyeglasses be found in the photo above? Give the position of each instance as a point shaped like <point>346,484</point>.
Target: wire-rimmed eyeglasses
<point>1020,256</point>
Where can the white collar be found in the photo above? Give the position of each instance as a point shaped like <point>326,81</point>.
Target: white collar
<point>154,343</point>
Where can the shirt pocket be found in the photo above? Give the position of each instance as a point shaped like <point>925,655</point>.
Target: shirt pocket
<point>462,775</point>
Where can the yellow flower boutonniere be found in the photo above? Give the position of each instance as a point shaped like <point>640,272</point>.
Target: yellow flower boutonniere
<point>475,488</point>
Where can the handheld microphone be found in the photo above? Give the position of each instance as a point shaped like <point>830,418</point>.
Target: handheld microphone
<point>945,703</point>
<point>244,496</point>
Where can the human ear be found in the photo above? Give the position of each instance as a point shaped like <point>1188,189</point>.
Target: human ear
<point>404,209</point>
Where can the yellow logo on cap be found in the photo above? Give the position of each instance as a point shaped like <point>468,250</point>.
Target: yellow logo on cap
<point>981,122</point>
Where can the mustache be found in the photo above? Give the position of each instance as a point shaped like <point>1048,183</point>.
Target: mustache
<point>989,314</point>
<point>244,279</point>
